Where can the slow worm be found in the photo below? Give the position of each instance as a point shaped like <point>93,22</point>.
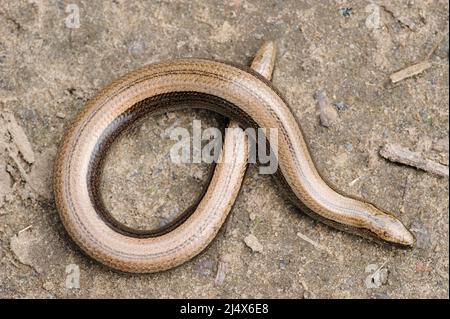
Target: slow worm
<point>246,96</point>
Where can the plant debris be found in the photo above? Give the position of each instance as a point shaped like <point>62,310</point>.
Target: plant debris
<point>410,71</point>
<point>19,137</point>
<point>400,154</point>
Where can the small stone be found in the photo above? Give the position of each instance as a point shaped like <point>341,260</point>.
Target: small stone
<point>341,106</point>
<point>421,267</point>
<point>327,112</point>
<point>205,267</point>
<point>254,244</point>
<point>198,173</point>
<point>252,216</point>
<point>377,276</point>
<point>346,11</point>
<point>424,115</point>
<point>60,115</point>
<point>48,285</point>
<point>172,116</point>
<point>349,283</point>
<point>283,263</point>
<point>348,147</point>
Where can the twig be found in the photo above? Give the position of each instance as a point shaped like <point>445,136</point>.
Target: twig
<point>410,71</point>
<point>314,243</point>
<point>24,174</point>
<point>399,154</point>
<point>25,229</point>
<point>221,270</point>
<point>417,68</point>
<point>353,182</point>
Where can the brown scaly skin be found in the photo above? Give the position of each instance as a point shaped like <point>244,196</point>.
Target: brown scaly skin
<point>248,98</point>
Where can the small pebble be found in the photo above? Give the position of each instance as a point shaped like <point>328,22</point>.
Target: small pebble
<point>424,115</point>
<point>348,147</point>
<point>60,115</point>
<point>327,112</point>
<point>283,264</point>
<point>346,11</point>
<point>258,36</point>
<point>253,243</point>
<point>349,283</point>
<point>48,286</point>
<point>421,267</point>
<point>376,276</point>
<point>341,106</point>
<point>198,174</point>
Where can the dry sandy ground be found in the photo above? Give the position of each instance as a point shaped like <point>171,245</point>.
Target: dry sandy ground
<point>48,70</point>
